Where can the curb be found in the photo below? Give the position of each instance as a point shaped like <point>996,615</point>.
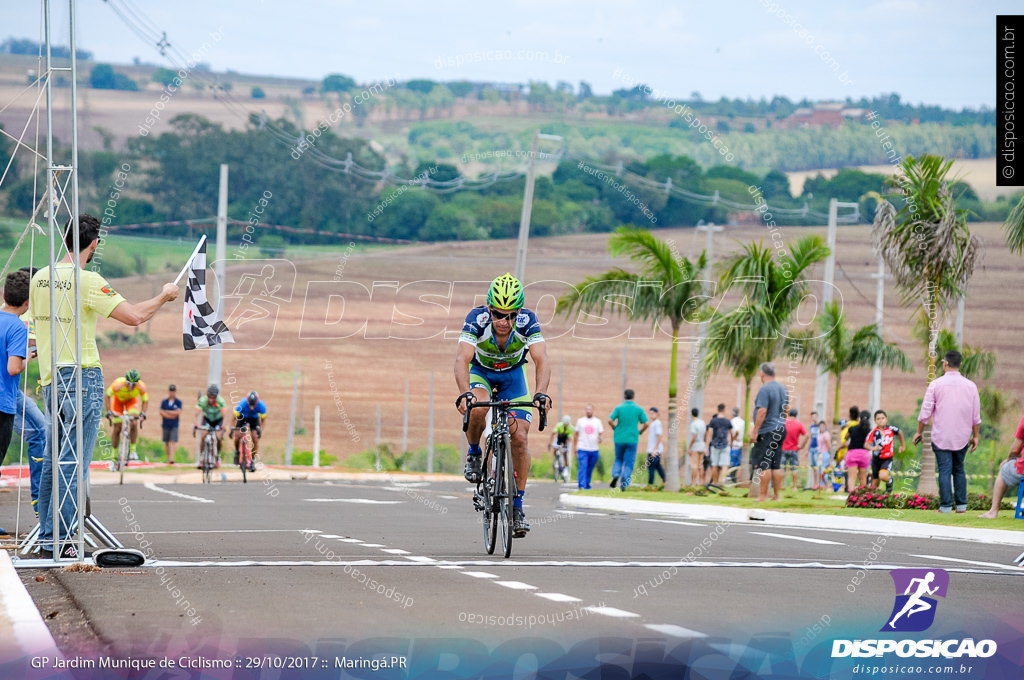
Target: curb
<point>31,636</point>
<point>869,525</point>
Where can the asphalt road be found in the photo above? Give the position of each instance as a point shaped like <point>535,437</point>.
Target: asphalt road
<point>330,569</point>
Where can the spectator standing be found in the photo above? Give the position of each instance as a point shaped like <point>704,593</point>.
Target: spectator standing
<point>770,426</point>
<point>170,411</point>
<point>29,422</point>
<point>857,456</point>
<point>98,298</point>
<point>739,431</point>
<point>952,405</point>
<point>813,453</point>
<point>586,441</point>
<point>628,422</point>
<point>824,452</point>
<point>1011,472</point>
<point>697,446</point>
<point>796,437</point>
<point>13,351</point>
<point>655,444</point>
<point>719,433</point>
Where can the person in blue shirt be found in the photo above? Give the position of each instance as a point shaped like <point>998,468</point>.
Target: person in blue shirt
<point>14,348</point>
<point>252,413</point>
<point>170,411</point>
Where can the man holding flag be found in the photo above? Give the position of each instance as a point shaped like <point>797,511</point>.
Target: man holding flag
<point>97,298</point>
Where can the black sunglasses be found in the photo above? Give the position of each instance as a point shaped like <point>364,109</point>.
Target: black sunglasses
<point>499,316</point>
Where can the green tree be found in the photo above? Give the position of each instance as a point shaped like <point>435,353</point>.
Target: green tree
<point>678,299</point>
<point>164,76</point>
<point>928,247</point>
<point>837,349</point>
<point>258,93</point>
<point>773,287</point>
<point>337,83</point>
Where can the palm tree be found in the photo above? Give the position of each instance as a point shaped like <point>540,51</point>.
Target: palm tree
<point>837,349</point>
<point>678,299</point>
<point>745,336</point>
<point>976,363</point>
<point>928,248</point>
<point>1014,228</point>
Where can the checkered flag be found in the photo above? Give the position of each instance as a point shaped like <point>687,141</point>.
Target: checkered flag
<point>201,324</point>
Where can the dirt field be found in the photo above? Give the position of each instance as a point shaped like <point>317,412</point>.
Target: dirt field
<point>369,369</point>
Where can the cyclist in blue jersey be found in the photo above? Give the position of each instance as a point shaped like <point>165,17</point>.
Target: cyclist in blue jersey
<point>250,411</point>
<point>492,354</point>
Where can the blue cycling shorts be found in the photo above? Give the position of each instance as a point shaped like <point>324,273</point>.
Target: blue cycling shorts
<point>511,385</point>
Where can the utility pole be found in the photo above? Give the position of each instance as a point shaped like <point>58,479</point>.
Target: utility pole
<point>875,397</point>
<point>405,420</point>
<point>377,462</point>
<point>821,381</point>
<point>430,427</point>
<point>524,219</point>
<point>625,349</point>
<point>958,330</point>
<point>216,293</point>
<point>291,420</point>
<point>561,378</point>
<point>316,436</point>
<point>697,351</point>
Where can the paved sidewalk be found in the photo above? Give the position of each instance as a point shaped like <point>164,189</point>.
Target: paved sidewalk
<point>23,633</point>
<point>719,513</point>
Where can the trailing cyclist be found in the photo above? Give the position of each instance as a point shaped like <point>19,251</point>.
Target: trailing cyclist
<point>492,354</point>
<point>126,395</point>
<point>252,413</point>
<point>563,432</point>
<point>211,408</point>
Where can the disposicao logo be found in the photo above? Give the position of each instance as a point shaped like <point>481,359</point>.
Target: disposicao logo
<point>912,612</point>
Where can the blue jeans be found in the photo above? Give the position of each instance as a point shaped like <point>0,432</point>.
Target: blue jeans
<point>654,465</point>
<point>625,458</point>
<point>67,473</point>
<point>587,461</point>
<point>32,431</point>
<point>951,463</point>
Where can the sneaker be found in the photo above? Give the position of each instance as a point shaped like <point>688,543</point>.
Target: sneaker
<point>68,552</point>
<point>236,457</point>
<point>252,467</point>
<point>474,469</point>
<point>615,480</point>
<point>519,525</point>
<point>133,455</point>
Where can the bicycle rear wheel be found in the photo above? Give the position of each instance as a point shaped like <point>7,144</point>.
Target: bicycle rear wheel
<point>506,484</point>
<point>243,458</point>
<point>206,460</point>
<point>488,494</point>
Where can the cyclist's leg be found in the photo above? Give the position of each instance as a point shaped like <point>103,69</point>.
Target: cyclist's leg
<point>255,432</point>
<point>480,385</point>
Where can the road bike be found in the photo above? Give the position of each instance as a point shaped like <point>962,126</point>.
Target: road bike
<point>245,455</point>
<point>208,458</point>
<point>560,464</point>
<point>496,491</point>
<point>124,443</point>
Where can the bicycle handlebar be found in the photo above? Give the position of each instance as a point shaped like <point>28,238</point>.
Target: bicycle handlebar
<point>542,410</point>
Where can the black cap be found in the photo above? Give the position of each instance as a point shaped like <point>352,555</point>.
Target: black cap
<point>653,408</point>
<point>172,388</point>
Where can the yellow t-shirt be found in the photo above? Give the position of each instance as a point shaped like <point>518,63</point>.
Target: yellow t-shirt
<point>98,298</point>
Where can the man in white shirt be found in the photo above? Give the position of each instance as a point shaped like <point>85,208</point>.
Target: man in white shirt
<point>736,443</point>
<point>586,440</point>
<point>655,441</point>
<point>697,447</point>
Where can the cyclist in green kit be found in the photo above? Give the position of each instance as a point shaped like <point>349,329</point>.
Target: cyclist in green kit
<point>492,354</point>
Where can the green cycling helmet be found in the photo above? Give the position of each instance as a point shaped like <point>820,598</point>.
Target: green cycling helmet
<point>506,293</point>
<point>132,376</point>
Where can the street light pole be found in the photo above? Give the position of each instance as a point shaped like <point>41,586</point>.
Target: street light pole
<point>524,219</point>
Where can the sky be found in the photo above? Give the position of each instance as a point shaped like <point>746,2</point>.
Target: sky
<point>934,52</point>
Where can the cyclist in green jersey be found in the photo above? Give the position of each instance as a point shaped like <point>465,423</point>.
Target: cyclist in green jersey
<point>492,353</point>
<point>211,408</point>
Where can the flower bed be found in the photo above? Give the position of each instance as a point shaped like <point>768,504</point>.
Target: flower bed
<point>866,497</point>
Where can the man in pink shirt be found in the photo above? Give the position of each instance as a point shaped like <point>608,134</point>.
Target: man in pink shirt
<point>796,437</point>
<point>952,404</point>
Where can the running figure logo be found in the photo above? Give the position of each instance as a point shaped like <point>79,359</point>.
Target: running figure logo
<point>914,610</point>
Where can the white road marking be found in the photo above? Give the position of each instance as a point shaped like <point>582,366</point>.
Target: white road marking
<point>449,497</point>
<point>374,545</point>
<point>516,585</point>
<point>672,521</point>
<point>350,540</point>
<point>820,541</point>
<point>673,630</point>
<point>395,551</point>
<point>154,487</point>
<point>420,558</point>
<point>577,512</point>
<point>954,559</point>
<point>329,536</point>
<point>405,484</point>
<point>558,597</point>
<point>611,611</point>
<point>367,501</point>
<point>480,574</point>
<point>220,531</point>
<point>448,566</point>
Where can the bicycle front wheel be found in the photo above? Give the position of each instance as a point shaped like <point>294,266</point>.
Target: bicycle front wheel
<point>122,453</point>
<point>507,492</point>
<point>488,493</point>
<point>243,460</point>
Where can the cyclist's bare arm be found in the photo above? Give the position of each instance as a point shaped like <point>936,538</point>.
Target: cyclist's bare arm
<point>539,357</point>
<point>463,357</point>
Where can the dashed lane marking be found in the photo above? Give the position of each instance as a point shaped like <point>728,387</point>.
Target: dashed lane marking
<point>820,541</point>
<point>395,551</point>
<point>954,559</point>
<point>366,501</point>
<point>154,487</point>
<point>611,611</point>
<point>558,597</point>
<point>672,521</point>
<point>480,574</point>
<point>516,585</point>
<point>673,630</point>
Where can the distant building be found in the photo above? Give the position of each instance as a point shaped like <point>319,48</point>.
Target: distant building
<point>825,114</point>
